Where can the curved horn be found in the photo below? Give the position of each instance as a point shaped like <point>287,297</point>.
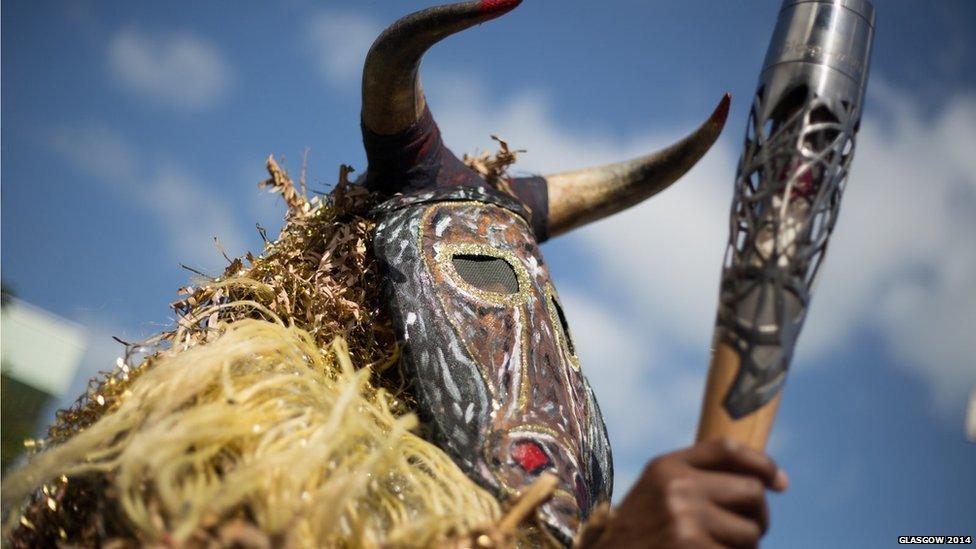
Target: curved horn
<point>392,97</point>
<point>579,197</point>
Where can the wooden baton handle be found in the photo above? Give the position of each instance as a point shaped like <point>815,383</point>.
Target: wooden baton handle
<point>753,429</point>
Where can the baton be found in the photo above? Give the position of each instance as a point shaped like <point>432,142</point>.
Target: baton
<point>798,149</point>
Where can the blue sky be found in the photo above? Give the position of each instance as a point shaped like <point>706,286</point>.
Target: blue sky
<point>135,132</point>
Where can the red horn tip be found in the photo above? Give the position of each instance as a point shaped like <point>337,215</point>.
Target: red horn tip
<point>498,7</point>
<point>721,111</point>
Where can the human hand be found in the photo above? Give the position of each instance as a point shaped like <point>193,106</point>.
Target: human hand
<point>712,494</point>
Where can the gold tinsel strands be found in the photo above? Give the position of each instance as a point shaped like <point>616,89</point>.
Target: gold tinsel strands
<point>493,168</point>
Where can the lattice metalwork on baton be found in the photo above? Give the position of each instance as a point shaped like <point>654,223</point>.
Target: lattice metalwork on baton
<point>798,148</point>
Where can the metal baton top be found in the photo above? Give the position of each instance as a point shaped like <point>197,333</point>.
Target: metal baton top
<point>797,152</point>
<point>824,44</point>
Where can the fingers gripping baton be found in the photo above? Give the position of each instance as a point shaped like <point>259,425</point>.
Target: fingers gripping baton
<point>798,148</point>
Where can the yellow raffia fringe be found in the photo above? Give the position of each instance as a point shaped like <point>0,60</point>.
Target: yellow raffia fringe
<point>260,419</point>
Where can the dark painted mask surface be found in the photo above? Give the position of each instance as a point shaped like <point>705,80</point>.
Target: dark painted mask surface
<point>485,338</point>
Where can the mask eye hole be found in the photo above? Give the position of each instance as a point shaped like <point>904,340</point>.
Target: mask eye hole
<point>571,347</point>
<point>485,272</point>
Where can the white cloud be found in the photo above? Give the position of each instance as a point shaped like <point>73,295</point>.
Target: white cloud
<point>189,214</point>
<point>192,216</point>
<point>97,150</point>
<point>905,259</point>
<point>467,116</point>
<point>177,69</point>
<point>339,41</point>
<point>901,261</point>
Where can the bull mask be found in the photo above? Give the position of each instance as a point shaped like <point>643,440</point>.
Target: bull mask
<point>483,333</point>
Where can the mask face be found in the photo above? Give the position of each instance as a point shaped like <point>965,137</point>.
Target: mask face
<point>486,340</point>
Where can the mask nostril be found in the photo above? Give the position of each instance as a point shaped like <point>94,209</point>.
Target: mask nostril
<point>529,456</point>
